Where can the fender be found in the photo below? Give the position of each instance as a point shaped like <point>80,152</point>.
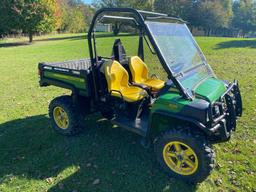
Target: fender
<point>200,125</point>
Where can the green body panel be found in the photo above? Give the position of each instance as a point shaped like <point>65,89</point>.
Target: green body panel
<point>211,89</point>
<point>77,82</point>
<point>173,103</point>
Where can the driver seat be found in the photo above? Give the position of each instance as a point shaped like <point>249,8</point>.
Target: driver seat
<point>117,79</point>
<point>139,71</point>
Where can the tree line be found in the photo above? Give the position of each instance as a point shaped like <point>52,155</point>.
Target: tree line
<point>214,17</point>
<point>43,16</point>
<point>223,17</point>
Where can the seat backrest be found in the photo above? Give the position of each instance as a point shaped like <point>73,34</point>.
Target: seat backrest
<point>139,69</point>
<point>116,76</point>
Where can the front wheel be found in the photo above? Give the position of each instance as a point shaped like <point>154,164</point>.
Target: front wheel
<point>185,154</point>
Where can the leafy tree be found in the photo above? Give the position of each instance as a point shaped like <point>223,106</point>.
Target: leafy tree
<point>137,4</point>
<point>73,3</point>
<point>177,8</point>
<point>227,5</point>
<point>88,12</point>
<point>142,4</point>
<point>30,16</point>
<point>8,19</point>
<point>36,16</point>
<point>210,15</point>
<point>58,14</point>
<point>73,19</point>
<point>110,3</point>
<point>244,16</point>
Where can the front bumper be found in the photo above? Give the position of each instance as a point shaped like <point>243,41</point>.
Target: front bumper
<point>230,106</point>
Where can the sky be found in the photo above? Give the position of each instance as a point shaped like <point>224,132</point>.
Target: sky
<point>87,1</point>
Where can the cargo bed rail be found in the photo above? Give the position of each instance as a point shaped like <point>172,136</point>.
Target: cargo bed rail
<point>74,66</point>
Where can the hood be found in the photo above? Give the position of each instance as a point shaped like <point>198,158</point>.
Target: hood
<point>211,89</point>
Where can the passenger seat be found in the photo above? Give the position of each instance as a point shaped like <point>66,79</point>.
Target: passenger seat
<point>139,71</point>
<point>118,84</point>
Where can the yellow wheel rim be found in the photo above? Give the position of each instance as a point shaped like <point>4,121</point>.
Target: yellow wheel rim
<point>180,158</point>
<point>60,117</point>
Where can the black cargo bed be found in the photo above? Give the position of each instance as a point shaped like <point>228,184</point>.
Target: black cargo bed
<point>74,75</point>
<point>77,65</point>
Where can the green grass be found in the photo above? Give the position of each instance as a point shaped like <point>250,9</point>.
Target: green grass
<point>35,158</point>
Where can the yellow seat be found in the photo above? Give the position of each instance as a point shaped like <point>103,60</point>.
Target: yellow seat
<point>117,80</point>
<point>139,71</point>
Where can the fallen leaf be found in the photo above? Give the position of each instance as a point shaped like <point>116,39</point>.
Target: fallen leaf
<point>96,182</point>
<point>236,151</point>
<point>218,165</point>
<point>218,182</point>
<point>49,180</point>
<point>234,182</point>
<point>166,188</point>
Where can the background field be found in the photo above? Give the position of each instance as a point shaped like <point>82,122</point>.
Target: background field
<point>34,158</point>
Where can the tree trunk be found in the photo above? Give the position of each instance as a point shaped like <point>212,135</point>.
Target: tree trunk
<point>30,37</point>
<point>205,32</point>
<point>116,29</point>
<point>209,32</point>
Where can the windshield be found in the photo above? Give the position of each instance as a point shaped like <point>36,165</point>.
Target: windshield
<point>180,52</point>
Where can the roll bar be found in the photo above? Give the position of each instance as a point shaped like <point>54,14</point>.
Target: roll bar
<point>138,17</point>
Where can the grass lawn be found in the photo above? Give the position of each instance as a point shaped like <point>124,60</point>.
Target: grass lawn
<point>35,158</point>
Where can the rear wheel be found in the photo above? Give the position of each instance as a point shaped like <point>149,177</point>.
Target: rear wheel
<point>63,115</point>
<point>185,154</point>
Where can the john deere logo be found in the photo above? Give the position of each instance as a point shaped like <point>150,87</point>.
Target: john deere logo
<point>174,107</point>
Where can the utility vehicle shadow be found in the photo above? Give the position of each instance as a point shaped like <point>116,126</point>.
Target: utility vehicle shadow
<point>111,158</point>
<point>237,44</point>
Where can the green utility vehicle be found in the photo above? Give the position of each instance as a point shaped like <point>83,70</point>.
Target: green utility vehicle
<point>181,111</point>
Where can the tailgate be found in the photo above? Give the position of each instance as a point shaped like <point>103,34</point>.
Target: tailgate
<point>73,75</point>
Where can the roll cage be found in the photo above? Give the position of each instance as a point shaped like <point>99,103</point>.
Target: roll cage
<point>139,18</point>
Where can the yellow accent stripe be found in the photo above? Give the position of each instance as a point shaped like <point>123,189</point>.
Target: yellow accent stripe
<point>68,77</point>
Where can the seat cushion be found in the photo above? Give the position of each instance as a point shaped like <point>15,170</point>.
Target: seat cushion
<point>131,93</point>
<point>155,84</point>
